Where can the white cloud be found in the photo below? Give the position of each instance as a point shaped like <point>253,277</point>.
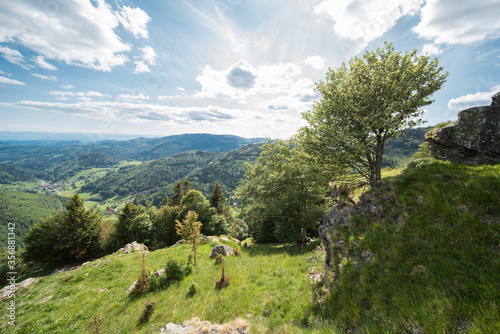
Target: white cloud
<point>44,77</point>
<point>65,94</point>
<point>4,80</point>
<point>79,33</point>
<point>67,86</point>
<point>473,100</point>
<point>13,56</point>
<point>459,21</point>
<point>316,62</point>
<point>139,96</point>
<point>43,64</point>
<point>140,67</point>
<point>364,21</point>
<point>243,80</point>
<point>148,55</point>
<point>134,20</point>
<point>430,49</point>
<point>180,89</point>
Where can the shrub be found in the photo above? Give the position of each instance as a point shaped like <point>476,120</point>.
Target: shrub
<point>174,272</point>
<point>94,326</point>
<point>219,259</point>
<point>149,308</point>
<point>192,290</point>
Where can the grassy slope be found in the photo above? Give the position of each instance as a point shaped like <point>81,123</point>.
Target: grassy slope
<point>434,270</point>
<point>267,287</point>
<point>435,255</point>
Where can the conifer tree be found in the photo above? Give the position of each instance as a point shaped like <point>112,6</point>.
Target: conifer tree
<point>165,200</point>
<point>186,187</point>
<point>217,199</point>
<point>178,194</point>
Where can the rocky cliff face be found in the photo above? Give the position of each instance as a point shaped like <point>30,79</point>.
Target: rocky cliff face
<point>473,138</point>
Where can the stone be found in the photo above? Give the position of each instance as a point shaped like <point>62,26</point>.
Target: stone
<point>180,242</point>
<point>225,250</point>
<point>134,247</point>
<point>473,138</point>
<point>172,328</point>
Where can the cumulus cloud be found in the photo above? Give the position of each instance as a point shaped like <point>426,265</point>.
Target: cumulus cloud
<point>140,67</point>
<point>316,62</point>
<point>241,75</point>
<point>364,21</point>
<point>430,49</point>
<point>243,80</point>
<point>40,61</point>
<point>459,21</point>
<point>78,33</point>
<point>134,20</point>
<point>8,81</point>
<point>44,77</point>
<point>149,55</point>
<point>473,100</point>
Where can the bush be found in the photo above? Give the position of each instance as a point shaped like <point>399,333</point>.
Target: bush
<point>192,290</point>
<point>174,272</point>
<point>219,259</point>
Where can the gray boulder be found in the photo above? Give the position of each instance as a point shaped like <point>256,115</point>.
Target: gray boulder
<point>134,247</point>
<point>225,250</point>
<point>473,138</point>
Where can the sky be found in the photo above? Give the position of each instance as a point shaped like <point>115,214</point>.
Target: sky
<point>240,67</point>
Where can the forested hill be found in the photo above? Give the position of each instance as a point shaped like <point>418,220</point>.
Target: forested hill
<point>156,178</point>
<point>38,158</point>
<point>151,175</point>
<point>72,167</point>
<point>24,210</point>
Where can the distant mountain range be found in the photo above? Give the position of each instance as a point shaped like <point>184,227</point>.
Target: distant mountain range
<point>39,156</point>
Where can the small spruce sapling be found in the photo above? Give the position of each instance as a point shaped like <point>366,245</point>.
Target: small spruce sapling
<point>224,280</point>
<point>142,284</point>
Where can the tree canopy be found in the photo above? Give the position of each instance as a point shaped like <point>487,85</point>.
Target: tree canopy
<point>365,103</point>
<point>65,237</point>
<point>285,193</point>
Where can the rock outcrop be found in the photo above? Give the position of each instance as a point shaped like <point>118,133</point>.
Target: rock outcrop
<point>340,215</point>
<point>225,250</point>
<point>473,138</point>
<point>134,247</point>
<point>196,326</point>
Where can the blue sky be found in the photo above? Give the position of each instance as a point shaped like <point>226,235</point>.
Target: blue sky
<point>242,67</point>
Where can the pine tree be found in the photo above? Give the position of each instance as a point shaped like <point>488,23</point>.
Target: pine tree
<point>217,199</point>
<point>178,194</point>
<point>165,200</point>
<point>186,187</point>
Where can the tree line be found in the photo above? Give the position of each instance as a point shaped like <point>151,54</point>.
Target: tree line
<point>79,234</point>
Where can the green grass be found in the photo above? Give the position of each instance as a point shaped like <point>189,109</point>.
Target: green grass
<point>434,256</point>
<point>268,287</point>
<point>430,264</point>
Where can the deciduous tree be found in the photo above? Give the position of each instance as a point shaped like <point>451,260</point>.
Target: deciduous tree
<point>189,230</point>
<point>366,102</point>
